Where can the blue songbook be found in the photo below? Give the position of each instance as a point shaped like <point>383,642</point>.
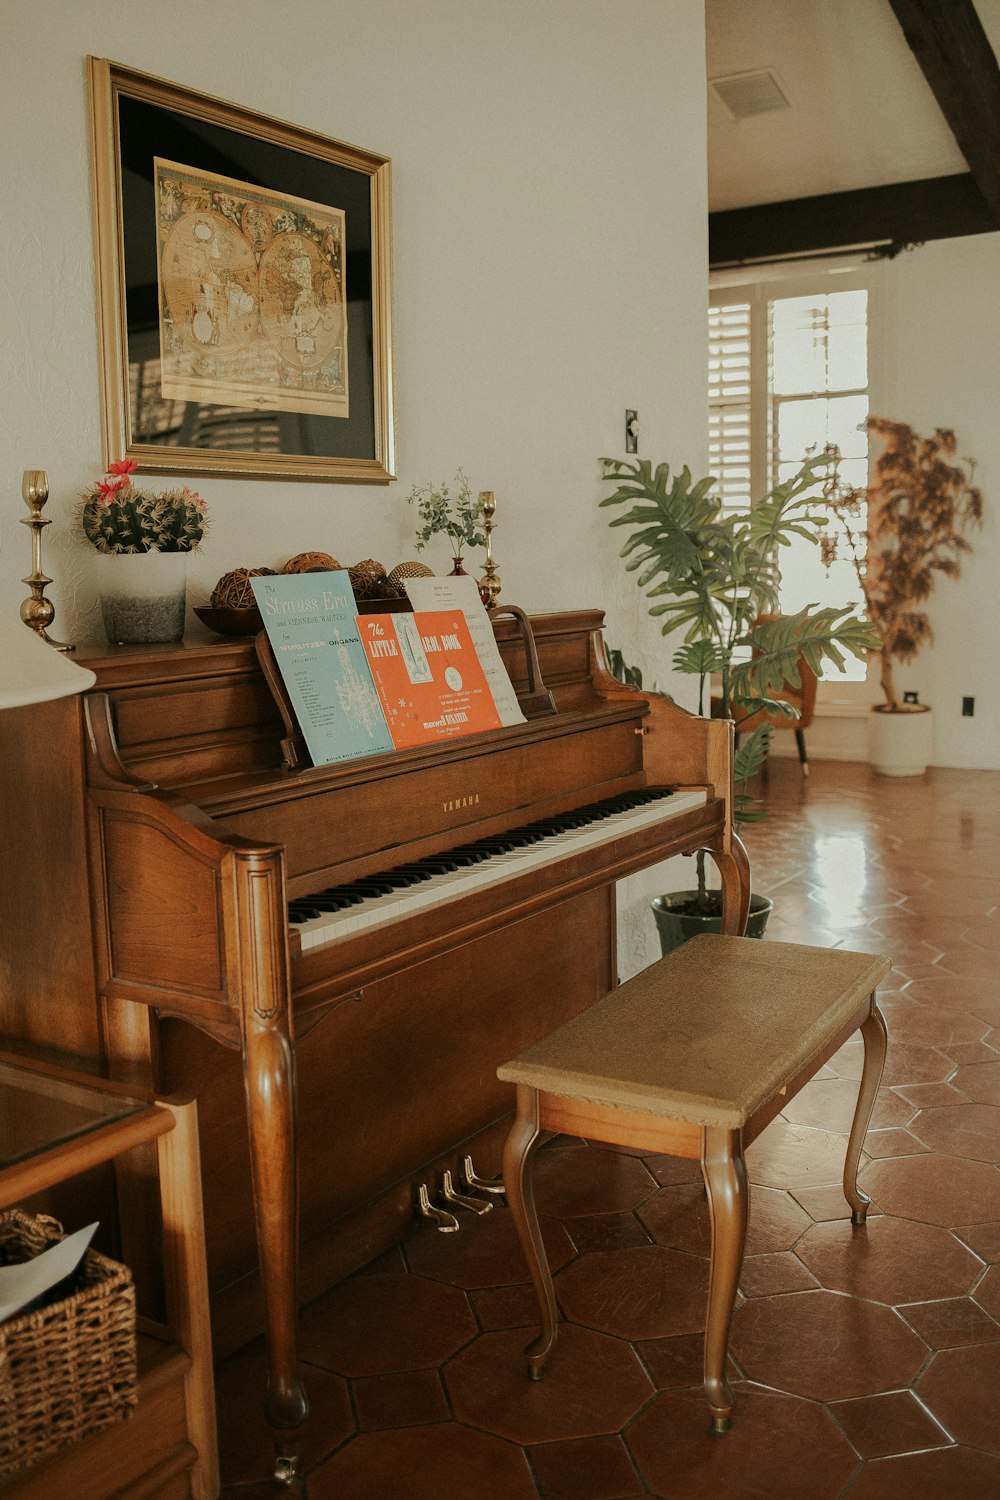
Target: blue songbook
<point>311,623</point>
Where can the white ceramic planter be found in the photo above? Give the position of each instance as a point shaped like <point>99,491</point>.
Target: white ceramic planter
<point>902,743</point>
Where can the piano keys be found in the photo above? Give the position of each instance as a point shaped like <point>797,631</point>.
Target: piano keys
<point>177,934</point>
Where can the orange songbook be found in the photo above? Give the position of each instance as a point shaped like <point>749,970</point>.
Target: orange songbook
<point>428,677</point>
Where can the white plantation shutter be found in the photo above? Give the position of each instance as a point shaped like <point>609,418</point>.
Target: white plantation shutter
<point>729,402</point>
<point>787,374</point>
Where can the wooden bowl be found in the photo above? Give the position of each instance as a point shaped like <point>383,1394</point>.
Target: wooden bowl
<point>230,621</point>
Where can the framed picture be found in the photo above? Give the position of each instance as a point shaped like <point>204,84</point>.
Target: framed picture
<point>244,288</point>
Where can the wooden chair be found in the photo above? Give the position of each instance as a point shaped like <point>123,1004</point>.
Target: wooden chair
<point>802,698</point>
<point>693,1057</point>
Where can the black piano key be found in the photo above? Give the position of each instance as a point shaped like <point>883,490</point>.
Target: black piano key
<point>384,882</point>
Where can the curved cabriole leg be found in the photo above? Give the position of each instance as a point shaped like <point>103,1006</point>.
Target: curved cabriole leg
<point>733,866</point>
<point>725,1177</point>
<point>260,964</point>
<point>519,1150</point>
<point>269,1071</point>
<point>875,1038</point>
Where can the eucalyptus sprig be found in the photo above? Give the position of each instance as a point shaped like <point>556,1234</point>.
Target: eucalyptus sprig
<point>441,513</point>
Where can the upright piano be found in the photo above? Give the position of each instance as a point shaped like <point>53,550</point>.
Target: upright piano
<point>182,911</point>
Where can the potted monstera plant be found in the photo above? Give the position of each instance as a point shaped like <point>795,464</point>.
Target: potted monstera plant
<point>710,576</point>
<point>902,531</point>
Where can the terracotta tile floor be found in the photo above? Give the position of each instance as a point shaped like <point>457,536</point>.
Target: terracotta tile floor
<point>866,1361</point>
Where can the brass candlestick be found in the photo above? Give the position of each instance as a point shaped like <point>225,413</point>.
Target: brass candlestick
<point>38,612</point>
<point>490,582</point>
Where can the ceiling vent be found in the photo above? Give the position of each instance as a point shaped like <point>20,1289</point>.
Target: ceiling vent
<point>746,94</point>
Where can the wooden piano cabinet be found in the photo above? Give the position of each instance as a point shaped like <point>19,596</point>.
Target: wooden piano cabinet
<point>151,845</point>
<point>391,1088</point>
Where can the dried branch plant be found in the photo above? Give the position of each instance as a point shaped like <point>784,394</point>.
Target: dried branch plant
<point>901,531</point>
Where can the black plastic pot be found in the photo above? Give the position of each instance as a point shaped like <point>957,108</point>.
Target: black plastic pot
<point>675,925</point>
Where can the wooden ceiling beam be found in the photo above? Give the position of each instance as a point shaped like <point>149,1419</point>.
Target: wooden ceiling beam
<point>901,213</point>
<point>948,41</point>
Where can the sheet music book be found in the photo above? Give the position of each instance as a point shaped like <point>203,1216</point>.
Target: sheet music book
<point>311,623</point>
<point>461,592</point>
<point>428,676</point>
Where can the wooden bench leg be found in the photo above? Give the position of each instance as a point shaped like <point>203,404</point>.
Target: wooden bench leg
<point>725,1175</point>
<point>519,1150</point>
<point>874,1033</point>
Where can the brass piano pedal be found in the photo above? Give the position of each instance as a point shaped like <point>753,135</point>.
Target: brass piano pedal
<point>450,1195</point>
<point>492,1185</point>
<point>443,1221</point>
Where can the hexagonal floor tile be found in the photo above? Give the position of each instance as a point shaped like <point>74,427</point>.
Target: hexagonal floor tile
<point>645,1293</point>
<point>983,1239</point>
<point>592,1384</point>
<point>486,1252</point>
<point>826,1346</point>
<point>375,1325</point>
<point>969,1130</point>
<point>779,1448</point>
<point>767,1275</point>
<point>890,1260</point>
<point>904,1063</point>
<point>678,1217</point>
<point>928,1026</point>
<point>580,1179</point>
<point>588,1469</point>
<point>829,1104</point>
<point>423,1462</point>
<point>951,1322</point>
<point>246,1443</point>
<point>777,1222</point>
<point>945,1474</point>
<point>794,1156</point>
<point>960,1387</point>
<point>979,1082</point>
<point>987,1293</point>
<point>935,1189</point>
<point>893,1423</point>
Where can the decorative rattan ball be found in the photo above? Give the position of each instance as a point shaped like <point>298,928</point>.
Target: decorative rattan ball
<point>234,590</point>
<point>367,579</point>
<point>310,562</point>
<point>402,571</point>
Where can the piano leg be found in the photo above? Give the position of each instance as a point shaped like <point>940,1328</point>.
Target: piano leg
<point>734,871</point>
<point>272,1125</point>
<point>269,1074</point>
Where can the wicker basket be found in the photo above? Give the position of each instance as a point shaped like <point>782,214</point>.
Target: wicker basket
<point>67,1368</point>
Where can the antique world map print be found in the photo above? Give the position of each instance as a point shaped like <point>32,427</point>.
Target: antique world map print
<point>252,295</point>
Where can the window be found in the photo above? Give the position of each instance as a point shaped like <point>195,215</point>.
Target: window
<point>788,372</point>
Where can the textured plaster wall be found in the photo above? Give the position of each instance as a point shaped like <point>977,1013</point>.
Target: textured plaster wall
<point>549,206</point>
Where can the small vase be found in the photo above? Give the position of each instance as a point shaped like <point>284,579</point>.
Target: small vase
<point>142,596</point>
<point>457,571</point>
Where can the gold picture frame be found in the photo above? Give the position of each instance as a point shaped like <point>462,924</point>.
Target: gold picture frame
<point>244,288</point>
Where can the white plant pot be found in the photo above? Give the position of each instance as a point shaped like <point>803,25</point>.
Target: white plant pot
<point>901,743</point>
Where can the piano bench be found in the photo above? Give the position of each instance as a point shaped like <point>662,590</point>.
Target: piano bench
<point>693,1057</point>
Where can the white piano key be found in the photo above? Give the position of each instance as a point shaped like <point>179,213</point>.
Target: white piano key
<point>393,906</point>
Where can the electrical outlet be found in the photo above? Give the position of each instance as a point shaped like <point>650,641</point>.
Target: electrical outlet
<point>968,708</point>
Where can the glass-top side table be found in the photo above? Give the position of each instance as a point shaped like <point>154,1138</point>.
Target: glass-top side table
<point>53,1125</point>
<point>42,1110</point>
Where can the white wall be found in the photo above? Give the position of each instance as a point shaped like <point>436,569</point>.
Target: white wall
<point>550,266</point>
<point>936,331</point>
<point>549,247</point>
<point>942,369</point>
